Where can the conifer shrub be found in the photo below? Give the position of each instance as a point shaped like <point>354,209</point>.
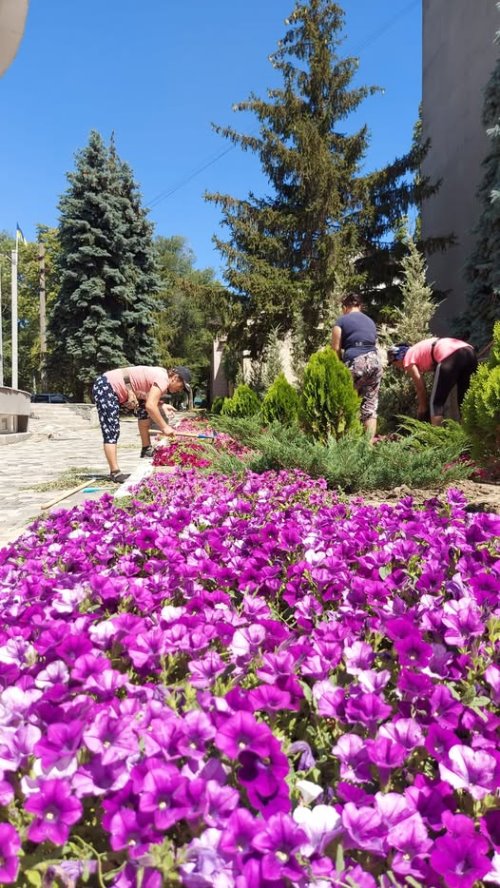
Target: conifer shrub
<point>349,464</point>
<point>217,405</point>
<point>243,403</point>
<point>481,408</point>
<point>329,404</point>
<point>281,403</point>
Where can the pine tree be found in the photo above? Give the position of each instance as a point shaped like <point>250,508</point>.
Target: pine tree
<point>103,314</point>
<point>483,268</point>
<point>288,251</point>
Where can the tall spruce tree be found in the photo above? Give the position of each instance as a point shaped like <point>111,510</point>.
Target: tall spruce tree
<point>291,252</point>
<point>103,315</point>
<point>482,272</point>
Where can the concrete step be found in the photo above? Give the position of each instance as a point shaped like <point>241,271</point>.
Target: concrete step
<point>66,415</point>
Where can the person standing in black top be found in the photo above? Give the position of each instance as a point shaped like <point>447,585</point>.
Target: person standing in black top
<point>354,339</point>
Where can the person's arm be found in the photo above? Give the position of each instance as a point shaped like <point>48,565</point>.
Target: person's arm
<point>152,406</point>
<point>337,339</point>
<point>418,381</point>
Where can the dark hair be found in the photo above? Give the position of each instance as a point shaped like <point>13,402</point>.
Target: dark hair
<point>352,300</point>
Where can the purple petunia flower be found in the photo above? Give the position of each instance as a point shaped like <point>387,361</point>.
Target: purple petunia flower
<point>354,762</point>
<point>238,833</point>
<point>10,845</point>
<point>242,731</point>
<point>463,619</point>
<point>413,651</point>
<point>320,825</point>
<point>471,769</point>
<point>280,842</point>
<point>60,746</point>
<point>364,828</point>
<point>461,860</point>
<point>405,731</point>
<point>55,809</point>
<point>367,710</point>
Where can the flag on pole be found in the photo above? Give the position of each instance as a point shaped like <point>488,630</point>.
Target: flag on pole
<point>20,236</point>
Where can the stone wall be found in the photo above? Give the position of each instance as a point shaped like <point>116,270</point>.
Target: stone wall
<point>459,55</point>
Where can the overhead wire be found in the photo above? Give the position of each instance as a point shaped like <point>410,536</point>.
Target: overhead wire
<point>168,192</point>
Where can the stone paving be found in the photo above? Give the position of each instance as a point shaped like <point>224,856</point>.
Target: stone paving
<point>61,439</point>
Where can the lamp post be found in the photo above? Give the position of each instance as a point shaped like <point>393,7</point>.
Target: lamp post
<point>13,282</point>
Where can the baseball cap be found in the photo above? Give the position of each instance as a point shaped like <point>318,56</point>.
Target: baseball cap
<point>397,352</point>
<point>185,375</point>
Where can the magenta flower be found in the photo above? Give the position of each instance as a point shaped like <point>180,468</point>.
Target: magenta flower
<point>111,738</point>
<point>364,828</point>
<point>461,860</point>
<point>128,830</point>
<point>405,731</point>
<point>163,797</point>
<point>10,845</point>
<point>320,824</point>
<point>205,671</point>
<point>470,769</point>
<point>55,810</point>
<point>270,699</point>
<point>367,710</point>
<point>463,619</point>
<point>280,842</point>
<point>242,731</point>
<point>238,833</point>
<point>60,746</point>
<point>413,651</point>
<point>354,762</point>
<point>386,754</point>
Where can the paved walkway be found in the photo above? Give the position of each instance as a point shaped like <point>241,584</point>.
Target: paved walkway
<point>61,440</point>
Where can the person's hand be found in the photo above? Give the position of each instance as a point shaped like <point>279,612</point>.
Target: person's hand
<point>168,432</point>
<point>169,409</point>
<point>132,403</point>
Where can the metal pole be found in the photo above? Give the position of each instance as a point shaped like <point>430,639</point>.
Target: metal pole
<point>1,331</point>
<point>43,318</point>
<point>13,259</point>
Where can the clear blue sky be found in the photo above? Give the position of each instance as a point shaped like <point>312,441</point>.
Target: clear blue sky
<point>158,73</point>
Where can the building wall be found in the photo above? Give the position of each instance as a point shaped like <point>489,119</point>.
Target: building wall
<point>458,57</point>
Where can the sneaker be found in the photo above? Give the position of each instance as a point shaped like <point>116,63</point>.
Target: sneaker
<point>118,477</point>
<point>146,452</point>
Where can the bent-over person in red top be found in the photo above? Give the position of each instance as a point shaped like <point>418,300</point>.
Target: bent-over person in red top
<point>453,362</point>
<point>139,389</point>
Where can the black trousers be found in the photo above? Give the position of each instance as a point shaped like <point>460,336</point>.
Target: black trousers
<point>456,369</point>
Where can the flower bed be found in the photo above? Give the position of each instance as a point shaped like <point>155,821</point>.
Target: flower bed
<point>250,684</point>
<point>191,453</point>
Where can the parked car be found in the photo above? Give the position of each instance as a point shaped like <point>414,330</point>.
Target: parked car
<point>49,398</point>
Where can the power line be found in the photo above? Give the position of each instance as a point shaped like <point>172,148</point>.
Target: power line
<point>386,27</point>
<point>163,195</point>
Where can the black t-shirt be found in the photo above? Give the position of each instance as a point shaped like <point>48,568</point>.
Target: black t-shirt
<point>359,334</point>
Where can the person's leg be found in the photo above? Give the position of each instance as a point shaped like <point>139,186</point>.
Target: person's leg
<point>144,424</point>
<point>368,387</point>
<point>108,411</point>
<point>144,427</point>
<point>468,367</point>
<point>454,370</point>
<point>445,378</point>
<point>111,454</point>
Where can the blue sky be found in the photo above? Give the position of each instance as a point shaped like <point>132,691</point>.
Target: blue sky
<point>159,73</point>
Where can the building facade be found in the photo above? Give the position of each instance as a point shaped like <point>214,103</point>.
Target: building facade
<point>459,55</point>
